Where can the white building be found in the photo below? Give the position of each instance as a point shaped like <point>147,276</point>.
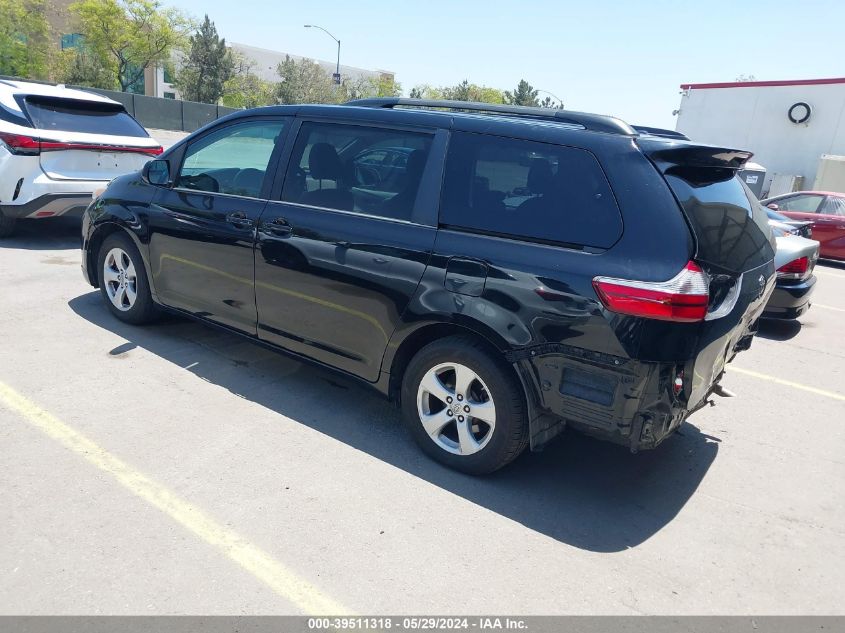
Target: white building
<point>265,64</point>
<point>787,124</point>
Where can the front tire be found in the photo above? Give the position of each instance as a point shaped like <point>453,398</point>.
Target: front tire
<point>123,280</point>
<point>464,406</point>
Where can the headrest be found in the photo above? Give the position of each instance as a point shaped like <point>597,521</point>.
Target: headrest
<point>324,163</point>
<point>249,181</point>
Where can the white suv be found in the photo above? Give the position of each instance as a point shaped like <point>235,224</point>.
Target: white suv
<point>58,146</point>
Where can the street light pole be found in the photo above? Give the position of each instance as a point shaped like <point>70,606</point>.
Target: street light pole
<point>337,72</point>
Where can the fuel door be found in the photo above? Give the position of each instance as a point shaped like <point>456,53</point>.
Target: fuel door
<point>465,276</point>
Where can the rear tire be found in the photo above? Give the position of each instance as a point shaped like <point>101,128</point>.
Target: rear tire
<point>123,280</point>
<point>464,406</point>
<point>7,225</point>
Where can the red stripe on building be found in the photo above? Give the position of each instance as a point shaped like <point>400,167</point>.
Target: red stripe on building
<point>762,84</point>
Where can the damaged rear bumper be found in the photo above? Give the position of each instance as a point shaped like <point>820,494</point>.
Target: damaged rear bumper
<point>621,400</point>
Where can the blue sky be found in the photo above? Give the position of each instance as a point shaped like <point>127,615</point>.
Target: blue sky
<point>610,57</point>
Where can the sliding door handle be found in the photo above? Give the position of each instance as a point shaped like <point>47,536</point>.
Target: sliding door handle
<point>239,220</point>
<point>279,227</point>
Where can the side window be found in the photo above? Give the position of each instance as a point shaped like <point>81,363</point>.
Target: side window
<point>800,204</point>
<point>527,189</point>
<point>354,168</point>
<point>833,206</point>
<point>231,160</point>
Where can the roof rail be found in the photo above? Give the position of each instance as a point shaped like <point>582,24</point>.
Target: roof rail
<point>659,131</point>
<point>593,122</point>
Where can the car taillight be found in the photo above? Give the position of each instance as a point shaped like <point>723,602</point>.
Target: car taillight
<point>20,143</point>
<point>31,146</point>
<point>683,298</point>
<point>796,269</point>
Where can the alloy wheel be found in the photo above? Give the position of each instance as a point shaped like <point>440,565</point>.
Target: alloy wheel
<point>120,279</point>
<point>456,408</point>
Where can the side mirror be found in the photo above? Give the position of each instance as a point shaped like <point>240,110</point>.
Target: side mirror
<point>772,206</point>
<point>157,172</point>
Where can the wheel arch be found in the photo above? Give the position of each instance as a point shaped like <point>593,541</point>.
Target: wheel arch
<point>99,233</point>
<point>417,338</point>
<point>401,351</point>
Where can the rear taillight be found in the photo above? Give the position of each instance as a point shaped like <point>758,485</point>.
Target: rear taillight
<point>796,269</point>
<point>683,298</point>
<point>20,143</point>
<point>31,146</point>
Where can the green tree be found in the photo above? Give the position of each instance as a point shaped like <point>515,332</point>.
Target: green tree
<point>23,39</point>
<point>524,95</point>
<point>550,103</point>
<point>80,67</point>
<point>248,91</point>
<point>207,67</point>
<point>305,81</point>
<point>464,91</point>
<point>365,87</point>
<point>245,89</point>
<point>426,91</point>
<point>387,86</point>
<point>129,36</point>
<point>457,93</point>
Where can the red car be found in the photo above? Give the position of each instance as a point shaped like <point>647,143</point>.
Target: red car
<point>825,209</point>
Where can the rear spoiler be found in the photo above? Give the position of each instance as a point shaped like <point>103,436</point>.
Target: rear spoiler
<point>666,154</point>
<point>659,131</point>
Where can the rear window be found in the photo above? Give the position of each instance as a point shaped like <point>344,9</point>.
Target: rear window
<point>730,225</point>
<point>68,115</point>
<point>536,191</point>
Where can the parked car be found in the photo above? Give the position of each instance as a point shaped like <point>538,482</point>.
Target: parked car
<point>493,293</point>
<point>824,209</point>
<point>795,258</point>
<point>58,146</point>
<point>788,225</point>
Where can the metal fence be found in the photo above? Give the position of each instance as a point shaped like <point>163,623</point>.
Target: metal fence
<point>165,114</point>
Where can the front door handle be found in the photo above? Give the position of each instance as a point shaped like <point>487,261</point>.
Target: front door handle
<point>239,220</point>
<point>279,227</point>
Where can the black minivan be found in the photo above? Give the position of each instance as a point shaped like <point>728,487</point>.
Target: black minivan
<point>501,272</point>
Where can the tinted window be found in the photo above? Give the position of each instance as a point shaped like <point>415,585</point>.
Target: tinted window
<point>355,168</point>
<point>833,206</point>
<point>800,204</point>
<point>68,115</point>
<point>528,189</point>
<point>231,160</point>
<point>730,226</point>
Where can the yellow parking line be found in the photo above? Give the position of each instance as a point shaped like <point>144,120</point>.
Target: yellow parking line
<point>821,305</point>
<point>269,571</point>
<point>788,383</point>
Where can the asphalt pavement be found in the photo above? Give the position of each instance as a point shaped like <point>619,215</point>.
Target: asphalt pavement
<point>176,469</point>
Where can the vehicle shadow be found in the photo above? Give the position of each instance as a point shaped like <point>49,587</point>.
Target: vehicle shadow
<point>47,234</point>
<point>831,263</point>
<point>588,494</point>
<point>779,329</point>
